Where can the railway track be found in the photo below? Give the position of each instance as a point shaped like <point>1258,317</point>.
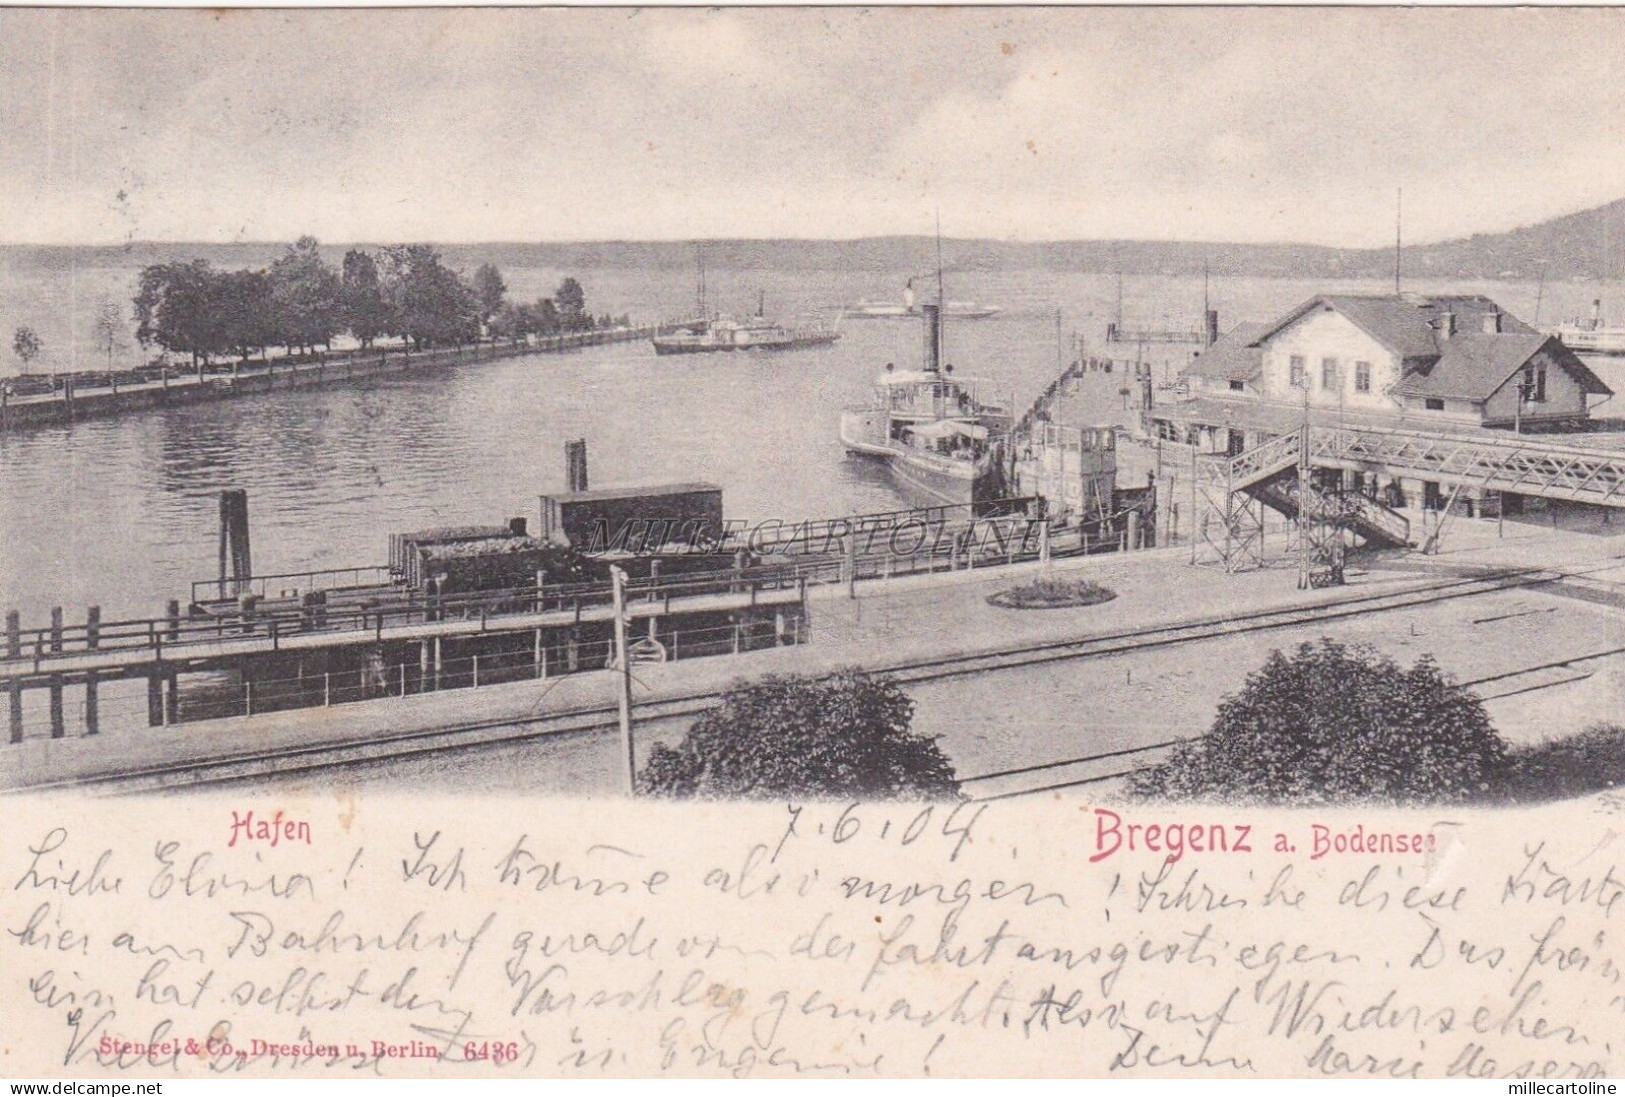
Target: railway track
<point>1025,780</point>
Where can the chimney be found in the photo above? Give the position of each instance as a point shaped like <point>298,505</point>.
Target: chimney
<point>933,337</point>
<point>1211,320</point>
<point>1492,322</point>
<point>1447,324</point>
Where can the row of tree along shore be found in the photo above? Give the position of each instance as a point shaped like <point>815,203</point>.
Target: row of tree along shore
<point>44,399</point>
<point>404,291</point>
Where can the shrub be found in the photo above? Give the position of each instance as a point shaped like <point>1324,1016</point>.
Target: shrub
<point>1592,761</point>
<point>845,736</point>
<point>1334,723</point>
<point>1048,592</point>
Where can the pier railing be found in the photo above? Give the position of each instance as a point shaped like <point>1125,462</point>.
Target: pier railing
<point>64,397</point>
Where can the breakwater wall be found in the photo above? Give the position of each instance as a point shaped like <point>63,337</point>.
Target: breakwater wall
<point>75,397</point>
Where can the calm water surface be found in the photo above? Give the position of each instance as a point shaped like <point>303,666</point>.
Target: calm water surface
<point>123,512</point>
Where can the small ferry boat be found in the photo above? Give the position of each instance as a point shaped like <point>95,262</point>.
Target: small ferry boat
<point>906,309</point>
<point>707,336</point>
<point>936,432</point>
<point>1591,336</point>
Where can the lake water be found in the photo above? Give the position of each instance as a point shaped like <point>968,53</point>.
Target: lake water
<point>123,512</point>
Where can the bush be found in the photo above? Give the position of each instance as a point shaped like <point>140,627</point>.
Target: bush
<point>1592,761</point>
<point>1048,592</point>
<point>846,736</point>
<point>1334,723</point>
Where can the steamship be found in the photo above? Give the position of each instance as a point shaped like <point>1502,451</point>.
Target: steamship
<point>941,439</point>
<point>1591,336</point>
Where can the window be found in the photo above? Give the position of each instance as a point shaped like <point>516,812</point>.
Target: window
<point>1534,383</point>
<point>1435,404</point>
<point>1362,377</point>
<point>1328,373</point>
<point>1297,371</point>
<point>1238,386</point>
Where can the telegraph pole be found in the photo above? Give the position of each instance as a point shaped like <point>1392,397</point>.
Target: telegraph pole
<point>1304,548</point>
<point>617,579</point>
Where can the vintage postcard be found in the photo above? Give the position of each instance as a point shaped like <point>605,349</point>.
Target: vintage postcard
<point>813,542</point>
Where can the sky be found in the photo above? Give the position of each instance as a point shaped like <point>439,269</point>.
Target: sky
<point>548,124</point>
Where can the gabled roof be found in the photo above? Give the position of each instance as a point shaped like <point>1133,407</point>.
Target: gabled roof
<point>1236,356</point>
<point>1410,325</point>
<point>1476,364</point>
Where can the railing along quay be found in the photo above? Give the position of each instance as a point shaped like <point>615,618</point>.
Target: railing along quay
<point>70,397</point>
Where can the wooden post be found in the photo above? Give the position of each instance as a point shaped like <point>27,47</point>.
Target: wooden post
<point>93,629</point>
<point>56,679</point>
<point>172,698</point>
<point>14,687</point>
<point>851,561</point>
<point>617,579</point>
<point>155,699</point>
<point>575,464</point>
<point>423,666</point>
<point>173,612</point>
<point>438,665</point>
<point>235,559</point>
<point>538,655</point>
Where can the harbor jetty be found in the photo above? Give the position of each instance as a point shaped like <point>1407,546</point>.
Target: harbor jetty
<point>35,400</point>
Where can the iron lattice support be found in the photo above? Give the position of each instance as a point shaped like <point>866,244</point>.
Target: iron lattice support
<point>1228,523</point>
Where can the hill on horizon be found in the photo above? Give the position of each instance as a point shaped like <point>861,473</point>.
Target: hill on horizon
<point>1588,245</point>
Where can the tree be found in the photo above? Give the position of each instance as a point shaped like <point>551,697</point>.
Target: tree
<point>571,301</point>
<point>845,736</point>
<point>243,303</point>
<point>109,329</point>
<point>489,289</point>
<point>306,297</point>
<point>365,311</point>
<point>25,343</point>
<point>429,303</point>
<point>1333,724</point>
<point>173,308</point>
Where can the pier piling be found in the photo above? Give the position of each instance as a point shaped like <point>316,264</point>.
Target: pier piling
<point>235,559</point>
<point>56,679</point>
<point>575,464</point>
<point>14,650</point>
<point>93,629</point>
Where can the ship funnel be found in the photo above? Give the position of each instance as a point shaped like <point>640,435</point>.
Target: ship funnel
<point>1596,314</point>
<point>933,337</point>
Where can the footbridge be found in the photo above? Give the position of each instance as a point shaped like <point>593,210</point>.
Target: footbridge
<point>1230,491</point>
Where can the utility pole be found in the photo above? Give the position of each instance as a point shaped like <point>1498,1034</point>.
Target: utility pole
<point>617,579</point>
<point>1303,490</point>
<point>1399,234</point>
<point>1540,292</point>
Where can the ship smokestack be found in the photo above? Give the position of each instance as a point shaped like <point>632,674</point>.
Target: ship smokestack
<point>1596,314</point>
<point>933,337</point>
<point>1211,320</point>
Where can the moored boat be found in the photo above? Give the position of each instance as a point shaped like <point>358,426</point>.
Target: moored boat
<point>906,309</point>
<point>1591,336</point>
<point>940,436</point>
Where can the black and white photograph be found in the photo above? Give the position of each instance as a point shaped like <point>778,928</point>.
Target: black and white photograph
<point>829,542</point>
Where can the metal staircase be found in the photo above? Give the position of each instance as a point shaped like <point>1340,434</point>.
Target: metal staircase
<point>1364,516</point>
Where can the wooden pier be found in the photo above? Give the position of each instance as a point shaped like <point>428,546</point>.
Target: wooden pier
<point>386,641</point>
<point>71,397</point>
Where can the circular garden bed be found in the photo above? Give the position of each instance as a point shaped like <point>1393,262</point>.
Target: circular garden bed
<point>1052,593</point>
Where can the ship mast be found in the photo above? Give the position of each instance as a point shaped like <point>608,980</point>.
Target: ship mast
<point>942,299</point>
